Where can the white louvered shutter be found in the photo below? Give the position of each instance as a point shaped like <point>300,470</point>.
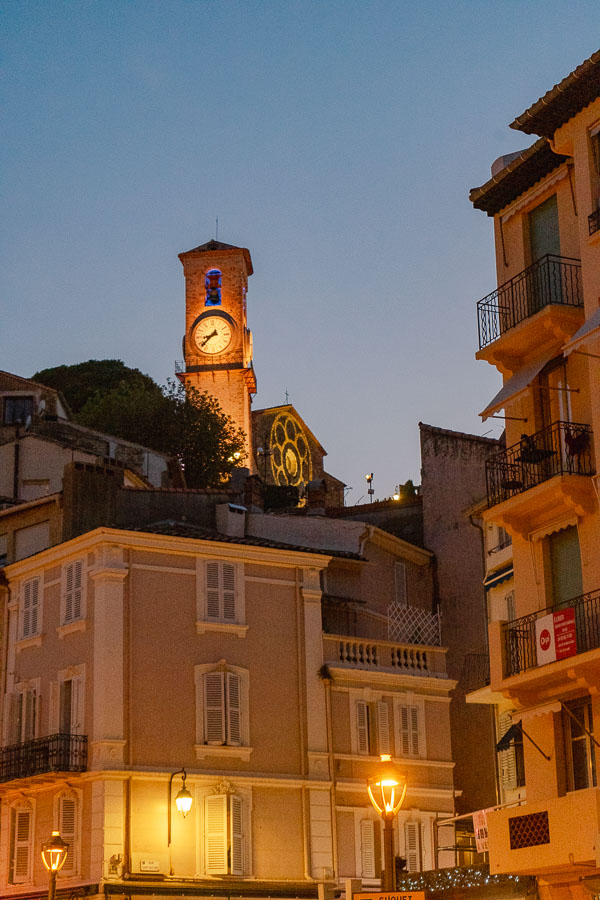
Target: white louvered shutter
<point>21,846</point>
<point>228,572</point>
<point>409,730</point>
<point>412,846</point>
<point>73,590</point>
<point>215,834</point>
<point>414,730</point>
<point>31,590</point>
<point>367,848</point>
<point>29,714</point>
<point>12,723</point>
<point>67,826</point>
<point>214,708</point>
<point>234,709</point>
<point>400,579</point>
<point>236,826</point>
<point>362,727</point>
<point>383,728</point>
<point>507,758</point>
<point>77,704</point>
<point>213,606</point>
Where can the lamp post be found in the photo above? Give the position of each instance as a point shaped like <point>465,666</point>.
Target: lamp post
<point>387,790</point>
<point>54,854</point>
<point>183,801</point>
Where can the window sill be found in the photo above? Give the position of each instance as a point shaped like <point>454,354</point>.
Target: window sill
<point>71,628</point>
<point>224,627</point>
<point>35,641</point>
<point>205,750</point>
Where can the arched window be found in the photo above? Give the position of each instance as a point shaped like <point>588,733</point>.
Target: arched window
<point>212,283</point>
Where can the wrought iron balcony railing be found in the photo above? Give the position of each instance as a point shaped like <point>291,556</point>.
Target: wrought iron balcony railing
<point>564,448</point>
<point>53,753</point>
<point>552,279</point>
<point>520,635</point>
<point>594,221</point>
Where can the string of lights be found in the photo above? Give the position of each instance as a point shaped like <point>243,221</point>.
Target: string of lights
<point>458,877</point>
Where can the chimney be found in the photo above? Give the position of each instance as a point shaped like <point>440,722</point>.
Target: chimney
<point>231,519</point>
<point>253,494</point>
<point>316,497</point>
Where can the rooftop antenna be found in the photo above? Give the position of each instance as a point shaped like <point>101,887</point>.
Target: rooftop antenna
<point>287,397</point>
<point>217,229</point>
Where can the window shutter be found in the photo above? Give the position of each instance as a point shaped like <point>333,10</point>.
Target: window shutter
<point>77,588</point>
<point>77,704</point>
<point>35,600</point>
<point>213,610</point>
<point>400,578</point>
<point>215,834</point>
<point>367,848</point>
<point>29,715</point>
<point>236,835</point>
<point>54,711</point>
<point>412,846</point>
<point>26,626</point>
<point>507,758</point>
<point>214,708</point>
<point>362,727</point>
<point>414,730</point>
<point>66,707</point>
<point>13,718</point>
<point>234,709</point>
<point>404,726</point>
<point>67,826</point>
<point>228,592</point>
<point>383,727</point>
<point>21,845</point>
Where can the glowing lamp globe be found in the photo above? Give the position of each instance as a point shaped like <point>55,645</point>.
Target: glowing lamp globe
<point>54,852</point>
<point>387,789</point>
<point>183,801</point>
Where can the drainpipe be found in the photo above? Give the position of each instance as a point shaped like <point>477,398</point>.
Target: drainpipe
<point>17,451</point>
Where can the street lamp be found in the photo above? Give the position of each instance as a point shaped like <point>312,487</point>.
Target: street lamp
<point>183,801</point>
<point>54,854</point>
<point>387,790</point>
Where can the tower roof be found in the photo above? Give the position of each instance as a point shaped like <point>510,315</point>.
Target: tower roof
<point>213,246</point>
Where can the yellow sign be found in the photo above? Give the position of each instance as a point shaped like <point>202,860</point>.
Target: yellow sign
<point>391,895</point>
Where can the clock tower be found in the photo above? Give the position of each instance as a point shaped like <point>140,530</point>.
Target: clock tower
<point>217,345</point>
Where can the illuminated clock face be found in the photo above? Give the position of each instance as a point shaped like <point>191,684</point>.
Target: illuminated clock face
<point>213,335</point>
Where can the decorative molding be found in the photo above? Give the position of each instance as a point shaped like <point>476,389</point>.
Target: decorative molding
<point>224,627</point>
<point>204,751</point>
<point>35,641</point>
<point>79,625</point>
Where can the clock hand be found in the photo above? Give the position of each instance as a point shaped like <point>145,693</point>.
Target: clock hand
<point>208,337</point>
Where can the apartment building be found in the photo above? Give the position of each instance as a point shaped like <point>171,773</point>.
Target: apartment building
<point>541,329</point>
<point>268,659</point>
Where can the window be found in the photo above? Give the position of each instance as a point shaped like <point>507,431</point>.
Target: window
<point>220,594</point>
<point>17,410</point>
<point>30,616</point>
<point>67,697</point>
<point>212,284</point>
<point>23,712</point>
<point>222,710</point>
<point>412,846</point>
<point>226,842</point>
<point>367,849</point>
<point>66,818</point>
<point>410,733</point>
<point>3,549</point>
<point>565,565</point>
<point>509,599</point>
<point>372,728</point>
<point>511,763</point>
<point>21,835</point>
<point>580,747</point>
<point>400,583</point>
<point>73,592</point>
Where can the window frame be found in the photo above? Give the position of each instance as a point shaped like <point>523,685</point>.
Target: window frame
<point>242,798</point>
<point>13,399</point>
<point>74,839</point>
<point>32,633</point>
<point>230,747</point>
<point>73,622</point>
<point>76,675</point>
<point>415,736</point>
<point>32,689</point>
<point>16,808</point>
<point>370,727</point>
<point>235,624</point>
<point>591,769</point>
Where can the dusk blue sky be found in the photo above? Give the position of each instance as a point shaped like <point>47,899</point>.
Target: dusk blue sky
<point>337,140</point>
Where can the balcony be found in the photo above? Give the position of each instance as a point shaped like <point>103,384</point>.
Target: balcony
<point>550,280</point>
<point>520,645</point>
<point>564,448</point>
<point>555,835</point>
<point>386,657</point>
<point>42,756</point>
<point>594,221</point>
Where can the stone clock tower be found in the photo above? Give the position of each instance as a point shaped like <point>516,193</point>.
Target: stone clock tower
<point>217,345</point>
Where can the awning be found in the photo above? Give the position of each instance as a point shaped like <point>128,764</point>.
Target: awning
<point>498,577</point>
<point>589,329</point>
<point>519,382</point>
<point>533,711</point>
